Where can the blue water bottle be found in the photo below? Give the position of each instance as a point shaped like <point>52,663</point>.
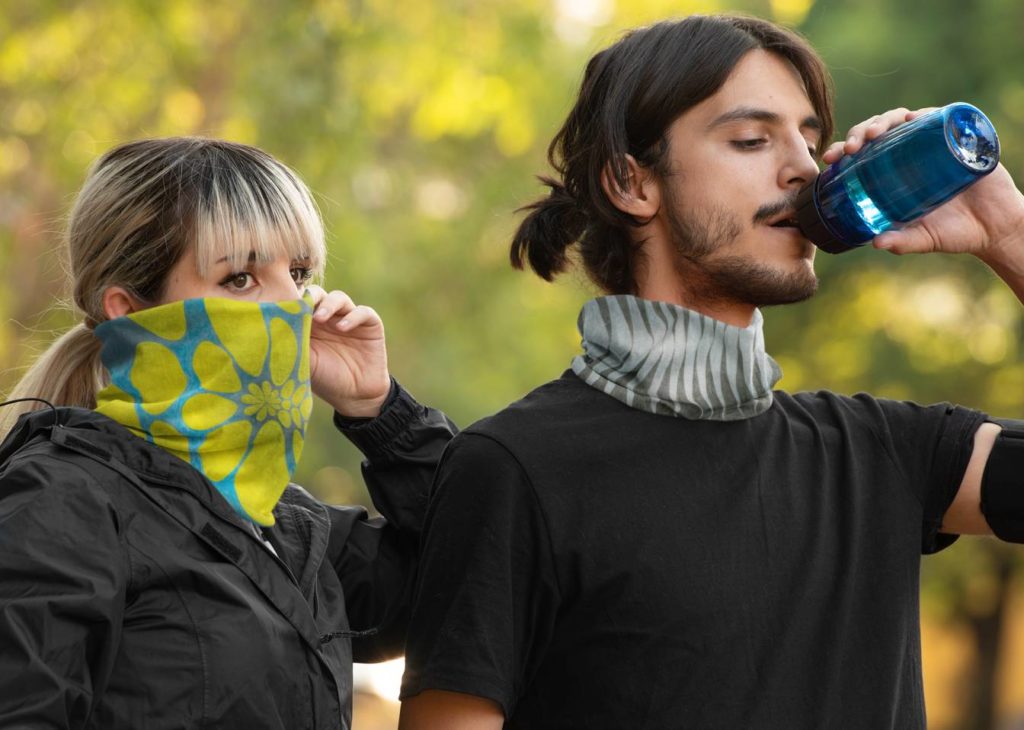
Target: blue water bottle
<point>897,177</point>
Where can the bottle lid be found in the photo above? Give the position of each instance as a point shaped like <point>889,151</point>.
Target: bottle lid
<point>812,226</point>
<point>971,137</point>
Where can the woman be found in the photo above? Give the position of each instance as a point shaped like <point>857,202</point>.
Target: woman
<point>156,567</point>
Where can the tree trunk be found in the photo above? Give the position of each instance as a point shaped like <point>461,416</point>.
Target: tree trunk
<point>987,630</point>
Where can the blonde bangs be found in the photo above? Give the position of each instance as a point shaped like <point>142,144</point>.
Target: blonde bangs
<point>261,209</point>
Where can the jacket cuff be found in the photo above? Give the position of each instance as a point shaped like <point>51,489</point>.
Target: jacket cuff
<point>372,436</point>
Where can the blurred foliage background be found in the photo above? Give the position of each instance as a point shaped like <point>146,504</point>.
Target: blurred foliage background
<point>421,125</point>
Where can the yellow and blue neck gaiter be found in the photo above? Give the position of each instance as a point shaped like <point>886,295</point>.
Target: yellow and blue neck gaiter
<point>222,384</point>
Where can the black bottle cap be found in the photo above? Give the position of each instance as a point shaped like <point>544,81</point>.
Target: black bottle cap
<point>813,227</point>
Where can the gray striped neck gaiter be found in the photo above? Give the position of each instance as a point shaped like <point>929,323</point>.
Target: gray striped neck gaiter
<point>666,359</point>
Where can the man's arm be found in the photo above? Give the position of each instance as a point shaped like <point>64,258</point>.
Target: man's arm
<point>487,593</point>
<point>964,515</point>
<point>993,208</point>
<point>438,710</point>
<point>986,220</point>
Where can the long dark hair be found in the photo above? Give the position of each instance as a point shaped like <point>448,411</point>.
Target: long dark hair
<point>630,95</point>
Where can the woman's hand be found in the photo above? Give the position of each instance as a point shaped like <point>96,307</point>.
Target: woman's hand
<point>986,220</point>
<point>348,361</point>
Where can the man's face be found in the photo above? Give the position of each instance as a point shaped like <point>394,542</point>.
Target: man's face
<point>736,163</point>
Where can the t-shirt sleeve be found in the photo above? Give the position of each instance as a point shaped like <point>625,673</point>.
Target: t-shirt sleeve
<point>931,446</point>
<point>487,593</point>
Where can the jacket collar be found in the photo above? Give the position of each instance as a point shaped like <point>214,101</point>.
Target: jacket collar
<point>302,528</point>
<point>145,459</point>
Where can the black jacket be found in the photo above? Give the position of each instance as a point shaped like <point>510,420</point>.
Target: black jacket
<point>133,596</point>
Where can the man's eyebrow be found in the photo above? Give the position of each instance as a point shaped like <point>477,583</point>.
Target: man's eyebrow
<point>752,114</point>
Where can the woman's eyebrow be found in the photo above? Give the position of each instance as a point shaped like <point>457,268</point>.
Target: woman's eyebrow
<point>252,258</point>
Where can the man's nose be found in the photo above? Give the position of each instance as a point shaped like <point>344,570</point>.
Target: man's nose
<point>800,167</point>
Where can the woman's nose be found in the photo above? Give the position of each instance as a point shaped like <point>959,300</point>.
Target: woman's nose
<point>278,284</point>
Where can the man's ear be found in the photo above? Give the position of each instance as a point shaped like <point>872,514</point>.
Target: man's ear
<point>117,302</point>
<point>641,196</point>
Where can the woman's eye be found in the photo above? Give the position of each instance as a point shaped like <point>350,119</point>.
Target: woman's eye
<point>301,275</point>
<point>749,144</point>
<point>238,281</point>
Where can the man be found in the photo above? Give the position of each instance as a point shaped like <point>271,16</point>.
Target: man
<point>657,539</point>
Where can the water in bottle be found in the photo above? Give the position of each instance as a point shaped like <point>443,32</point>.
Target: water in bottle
<point>898,177</point>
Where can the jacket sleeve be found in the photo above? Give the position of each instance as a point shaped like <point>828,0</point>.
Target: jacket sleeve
<point>63,579</point>
<point>375,558</point>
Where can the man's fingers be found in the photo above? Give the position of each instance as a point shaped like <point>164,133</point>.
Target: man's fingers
<point>870,129</point>
<point>914,239</point>
<point>833,153</point>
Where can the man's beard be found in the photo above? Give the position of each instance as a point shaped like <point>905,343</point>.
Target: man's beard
<point>696,235</point>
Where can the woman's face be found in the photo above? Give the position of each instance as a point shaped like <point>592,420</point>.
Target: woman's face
<point>277,280</point>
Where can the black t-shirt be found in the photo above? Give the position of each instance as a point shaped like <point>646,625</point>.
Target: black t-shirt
<point>588,565</point>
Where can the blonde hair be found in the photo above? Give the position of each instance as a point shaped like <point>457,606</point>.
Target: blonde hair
<point>144,204</point>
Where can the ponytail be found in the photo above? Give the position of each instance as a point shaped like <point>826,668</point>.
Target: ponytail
<point>553,224</point>
<point>68,373</point>
<point>557,222</point>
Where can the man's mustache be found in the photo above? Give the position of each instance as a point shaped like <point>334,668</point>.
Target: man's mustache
<point>770,210</point>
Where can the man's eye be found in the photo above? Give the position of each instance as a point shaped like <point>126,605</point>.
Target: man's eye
<point>238,281</point>
<point>749,144</point>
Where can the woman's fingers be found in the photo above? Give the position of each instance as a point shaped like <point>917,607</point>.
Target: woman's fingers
<point>359,316</point>
<point>336,309</point>
<point>328,305</point>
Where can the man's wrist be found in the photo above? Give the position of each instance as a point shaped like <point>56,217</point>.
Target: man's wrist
<point>1006,249</point>
<point>1006,255</point>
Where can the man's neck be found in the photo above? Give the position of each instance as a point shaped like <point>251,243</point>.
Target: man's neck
<point>660,279</point>
<point>667,288</point>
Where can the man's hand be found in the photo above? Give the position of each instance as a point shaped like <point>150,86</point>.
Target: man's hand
<point>348,360</point>
<point>986,220</point>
